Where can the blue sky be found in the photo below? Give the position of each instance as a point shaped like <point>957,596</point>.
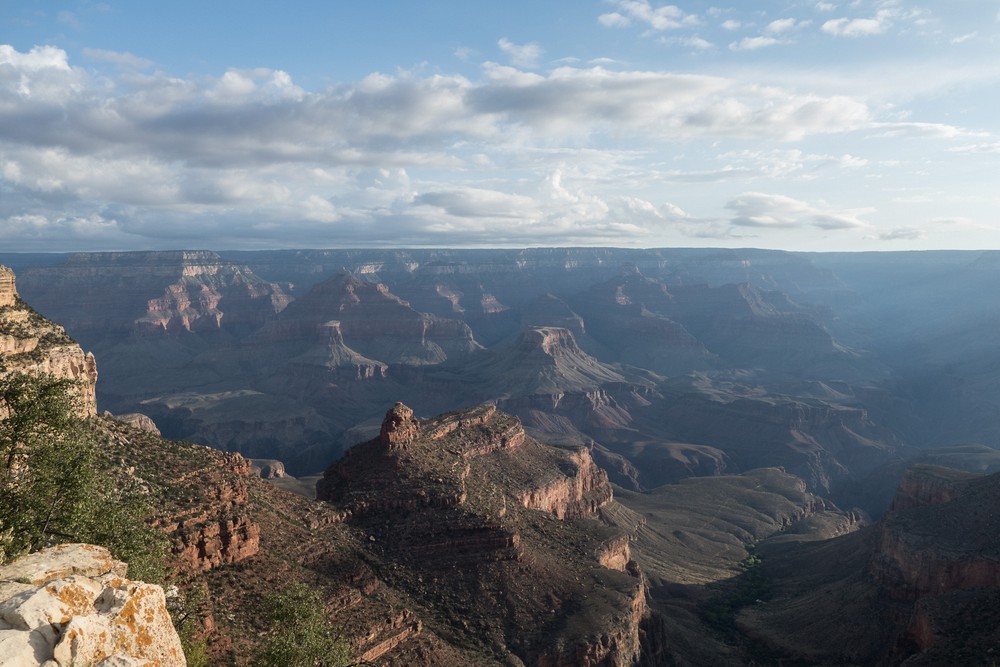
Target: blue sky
<point>819,125</point>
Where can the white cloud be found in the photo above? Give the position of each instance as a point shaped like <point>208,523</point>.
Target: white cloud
<point>144,159</point>
<point>933,130</point>
<point>37,59</point>
<point>756,209</point>
<point>614,20</point>
<point>521,55</point>
<point>694,42</point>
<point>753,43</point>
<point>119,58</point>
<point>986,147</point>
<point>843,27</point>
<point>571,101</point>
<point>785,25</point>
<point>730,24</point>
<point>825,6</point>
<point>901,234</point>
<point>664,17</point>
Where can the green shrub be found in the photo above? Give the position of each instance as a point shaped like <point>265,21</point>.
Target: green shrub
<point>56,487</point>
<point>299,632</point>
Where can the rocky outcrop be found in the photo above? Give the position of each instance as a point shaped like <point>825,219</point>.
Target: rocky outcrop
<point>940,536</point>
<point>928,485</point>
<point>467,500</point>
<point>375,323</point>
<point>73,605</point>
<point>398,428</point>
<point>210,294</point>
<point>136,420</point>
<point>29,343</point>
<point>8,293</point>
<point>580,491</point>
<point>551,311</point>
<point>216,530</point>
<point>119,293</point>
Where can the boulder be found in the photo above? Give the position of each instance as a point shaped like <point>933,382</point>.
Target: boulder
<point>73,605</point>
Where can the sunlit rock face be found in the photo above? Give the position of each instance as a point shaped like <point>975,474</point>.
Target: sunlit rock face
<point>30,343</point>
<point>72,604</point>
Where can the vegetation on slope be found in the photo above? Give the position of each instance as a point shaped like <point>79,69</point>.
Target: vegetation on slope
<point>55,485</point>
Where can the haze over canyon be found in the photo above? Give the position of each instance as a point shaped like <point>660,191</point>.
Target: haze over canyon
<point>645,456</point>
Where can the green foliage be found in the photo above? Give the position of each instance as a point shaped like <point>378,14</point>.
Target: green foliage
<point>56,487</point>
<point>186,611</point>
<point>750,587</point>
<point>299,632</point>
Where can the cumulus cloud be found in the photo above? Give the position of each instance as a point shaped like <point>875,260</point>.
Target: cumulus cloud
<point>663,17</point>
<point>753,43</point>
<point>756,209</point>
<point>521,55</point>
<point>844,27</point>
<point>694,42</point>
<point>785,25</point>
<point>140,158</point>
<point>657,104</point>
<point>614,20</point>
<point>887,14</point>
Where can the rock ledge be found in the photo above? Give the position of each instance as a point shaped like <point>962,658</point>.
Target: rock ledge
<point>72,605</point>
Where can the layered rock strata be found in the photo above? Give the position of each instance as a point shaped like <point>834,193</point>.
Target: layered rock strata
<point>29,343</point>
<point>469,501</point>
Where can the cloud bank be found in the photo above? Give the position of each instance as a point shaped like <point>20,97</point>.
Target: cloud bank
<point>142,158</point>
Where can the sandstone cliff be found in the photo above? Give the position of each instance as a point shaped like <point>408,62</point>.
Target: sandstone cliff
<point>32,344</point>
<point>940,534</point>
<point>118,294</point>
<point>374,322</point>
<point>515,519</point>
<point>73,605</point>
<point>925,579</point>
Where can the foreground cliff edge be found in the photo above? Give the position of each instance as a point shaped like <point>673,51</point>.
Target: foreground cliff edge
<point>72,604</point>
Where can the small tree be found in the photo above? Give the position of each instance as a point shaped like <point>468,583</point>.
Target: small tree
<point>300,634</point>
<point>56,487</point>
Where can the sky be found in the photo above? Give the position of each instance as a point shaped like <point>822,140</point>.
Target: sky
<point>857,125</point>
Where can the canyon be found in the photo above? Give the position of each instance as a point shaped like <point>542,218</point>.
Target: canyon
<point>567,456</point>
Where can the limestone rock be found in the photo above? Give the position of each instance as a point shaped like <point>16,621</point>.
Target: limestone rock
<point>29,343</point>
<point>137,420</point>
<point>7,291</point>
<point>71,604</point>
<point>399,427</point>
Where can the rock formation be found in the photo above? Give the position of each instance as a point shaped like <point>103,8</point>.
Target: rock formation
<point>149,292</point>
<point>136,420</point>
<point>940,534</point>
<point>30,343</point>
<point>8,292</point>
<point>73,605</point>
<point>376,323</point>
<point>515,518</point>
<point>926,578</point>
